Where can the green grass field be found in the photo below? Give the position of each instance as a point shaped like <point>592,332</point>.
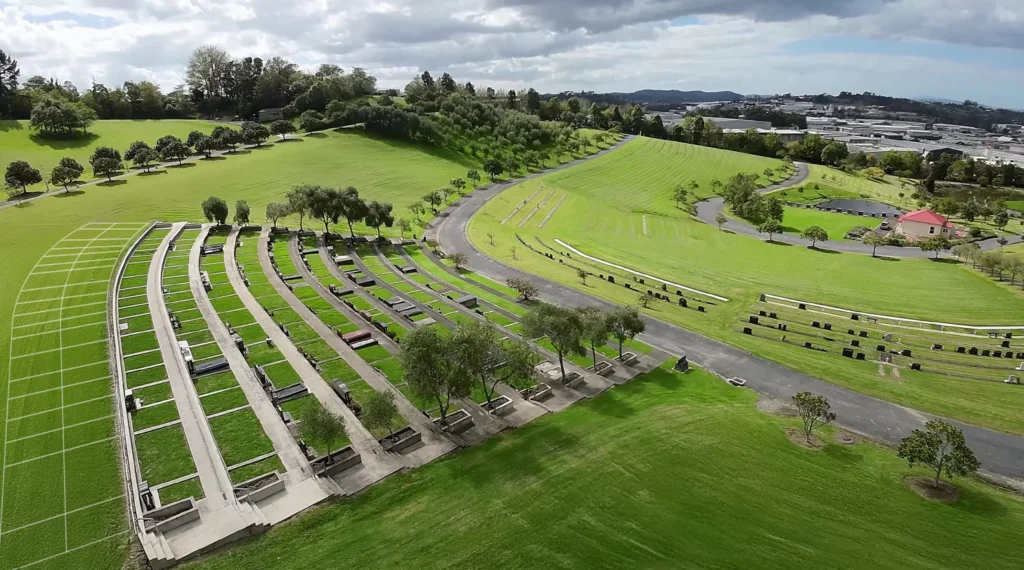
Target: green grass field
<point>592,219</point>
<point>19,142</point>
<point>825,183</point>
<point>798,219</point>
<point>667,471</point>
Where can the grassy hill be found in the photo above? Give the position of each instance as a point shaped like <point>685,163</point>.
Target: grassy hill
<point>633,226</point>
<point>19,142</point>
<point>668,471</point>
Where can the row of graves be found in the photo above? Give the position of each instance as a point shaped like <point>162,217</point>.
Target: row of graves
<point>991,356</point>
<point>657,290</point>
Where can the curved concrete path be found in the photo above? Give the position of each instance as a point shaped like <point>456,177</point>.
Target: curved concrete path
<point>708,210</point>
<point>999,453</point>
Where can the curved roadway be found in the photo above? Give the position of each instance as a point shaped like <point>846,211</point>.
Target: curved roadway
<point>708,210</point>
<point>999,453</point>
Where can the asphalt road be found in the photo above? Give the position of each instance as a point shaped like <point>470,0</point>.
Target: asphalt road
<point>999,453</point>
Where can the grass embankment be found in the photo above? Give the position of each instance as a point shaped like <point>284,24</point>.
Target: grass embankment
<point>19,142</point>
<point>651,474</point>
<point>593,219</point>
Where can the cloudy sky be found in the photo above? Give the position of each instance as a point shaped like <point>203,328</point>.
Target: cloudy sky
<point>954,49</point>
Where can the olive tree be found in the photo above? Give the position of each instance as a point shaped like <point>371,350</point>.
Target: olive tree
<point>625,323</point>
<point>563,328</point>
<point>215,209</point>
<point>319,425</point>
<point>487,356</point>
<point>940,446</point>
<point>431,372</point>
<point>814,410</point>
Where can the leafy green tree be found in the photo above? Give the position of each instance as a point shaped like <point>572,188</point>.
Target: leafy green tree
<point>431,372</point>
<point>226,137</point>
<point>242,213</point>
<point>175,150</point>
<point>404,226</point>
<point>215,209</point>
<point>254,133</point>
<point>281,128</point>
<point>970,211</point>
<point>774,209</point>
<point>379,214</point>
<point>580,272</point>
<point>354,209</point>
<point>937,244</point>
<point>625,323</point>
<point>194,137</point>
<point>107,167</point>
<point>458,183</point>
<point>311,121</point>
<point>680,195</point>
<point>298,201</point>
<point>320,425</point>
<point>68,171</point>
<point>206,146</point>
<point>874,240</point>
<point>434,199</point>
<point>458,259</point>
<point>493,168</point>
<point>489,358</point>
<point>527,289</point>
<point>380,412</point>
<point>834,153</point>
<point>814,410</point>
<point>815,234</point>
<point>20,174</point>
<point>473,176</point>
<point>1001,219</point>
<point>145,158</point>
<point>324,205</point>
<point>941,447</point>
<point>134,150</point>
<point>276,211</point>
<point>417,209</point>
<point>596,329</point>
<point>770,227</point>
<point>720,219</point>
<point>563,327</point>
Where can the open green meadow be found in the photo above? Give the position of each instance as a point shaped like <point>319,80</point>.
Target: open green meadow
<point>825,183</point>
<point>667,471</point>
<point>19,142</point>
<point>799,219</point>
<point>666,243</point>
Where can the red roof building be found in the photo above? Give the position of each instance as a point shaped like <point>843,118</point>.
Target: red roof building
<point>925,224</point>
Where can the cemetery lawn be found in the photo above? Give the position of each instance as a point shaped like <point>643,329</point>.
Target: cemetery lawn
<point>833,183</point>
<point>19,142</point>
<point>603,222</point>
<point>799,219</point>
<point>669,470</point>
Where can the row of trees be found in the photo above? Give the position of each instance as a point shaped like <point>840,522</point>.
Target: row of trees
<point>996,263</point>
<point>332,205</point>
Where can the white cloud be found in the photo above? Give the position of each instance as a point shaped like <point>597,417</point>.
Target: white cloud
<point>617,45</point>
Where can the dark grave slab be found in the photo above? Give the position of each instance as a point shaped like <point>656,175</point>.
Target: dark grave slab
<point>747,330</point>
<point>880,348</point>
<point>700,308</point>
<point>1005,344</point>
<point>366,282</point>
<point>854,342</point>
<point>915,366</point>
<point>986,352</point>
<point>412,313</point>
<point>391,302</point>
<point>816,324</point>
<point>961,349</point>
<point>773,316</point>
<point>752,320</point>
<point>860,356</point>
<point>864,334</point>
<point>402,307</point>
<point>973,351</point>
<point>998,354</point>
<point>682,302</point>
<point>905,352</point>
<point>828,326</point>
<point>936,347</point>
<point>848,352</point>
<point>851,332</point>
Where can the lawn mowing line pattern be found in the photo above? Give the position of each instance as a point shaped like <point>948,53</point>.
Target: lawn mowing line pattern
<point>56,349</point>
<point>58,429</point>
<point>51,272</point>
<point>60,407</point>
<point>61,287</point>
<point>95,239</point>
<point>51,310</point>
<point>31,524</point>
<point>59,320</point>
<point>69,550</point>
<point>534,211</point>
<point>67,329</point>
<point>23,378</point>
<point>60,452</point>
<point>58,388</point>
<point>7,405</point>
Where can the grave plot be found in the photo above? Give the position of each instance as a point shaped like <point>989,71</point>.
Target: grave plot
<point>245,447</point>
<point>332,367</point>
<point>63,496</point>
<point>447,310</point>
<point>165,462</point>
<point>430,271</point>
<point>971,357</point>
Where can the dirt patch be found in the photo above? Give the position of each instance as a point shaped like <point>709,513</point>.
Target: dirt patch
<point>925,487</point>
<point>796,436</point>
<point>776,406</point>
<point>846,438</point>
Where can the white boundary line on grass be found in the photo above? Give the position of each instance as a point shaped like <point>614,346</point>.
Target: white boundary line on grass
<point>48,299</point>
<point>59,320</point>
<point>62,286</point>
<point>58,429</point>
<point>644,275</point>
<point>61,452</point>
<point>58,308</point>
<point>31,524</point>
<point>56,349</point>
<point>897,319</point>
<point>64,329</point>
<point>30,394</point>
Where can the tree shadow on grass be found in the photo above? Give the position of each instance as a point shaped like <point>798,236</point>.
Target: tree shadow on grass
<point>110,183</point>
<point>152,173</point>
<point>948,260</point>
<point>844,454</point>
<point>264,146</point>
<point>213,158</point>
<point>316,135</point>
<point>8,125</point>
<point>240,151</point>
<point>823,250</point>
<point>979,504</point>
<point>291,140</point>
<point>69,194</point>
<point>23,197</point>
<point>23,204</point>
<point>78,141</point>
<point>613,404</point>
<point>887,258</point>
<point>182,165</point>
<point>782,243</point>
